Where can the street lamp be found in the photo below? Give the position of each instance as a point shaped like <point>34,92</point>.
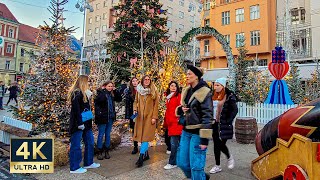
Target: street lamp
<point>83,5</point>
<point>192,7</point>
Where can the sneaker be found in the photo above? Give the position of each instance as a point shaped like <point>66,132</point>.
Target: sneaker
<point>168,152</point>
<point>78,171</point>
<point>169,166</point>
<point>92,166</point>
<point>215,169</point>
<point>230,162</point>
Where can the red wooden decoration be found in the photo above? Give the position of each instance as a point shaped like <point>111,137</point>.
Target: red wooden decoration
<point>278,70</point>
<point>318,153</point>
<point>295,172</point>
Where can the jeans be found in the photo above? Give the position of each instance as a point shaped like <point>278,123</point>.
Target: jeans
<point>144,147</point>
<point>104,130</point>
<point>167,140</point>
<point>1,102</point>
<point>75,154</point>
<point>175,140</point>
<point>190,158</point>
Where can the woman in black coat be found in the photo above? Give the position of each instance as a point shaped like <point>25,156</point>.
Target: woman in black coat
<point>130,94</point>
<point>105,115</point>
<point>225,110</point>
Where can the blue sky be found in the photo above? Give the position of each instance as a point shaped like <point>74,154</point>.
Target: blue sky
<point>34,12</point>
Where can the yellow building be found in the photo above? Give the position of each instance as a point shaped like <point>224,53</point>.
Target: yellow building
<point>251,20</point>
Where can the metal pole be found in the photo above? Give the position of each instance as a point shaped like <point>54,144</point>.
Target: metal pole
<point>194,41</point>
<point>141,35</point>
<point>288,32</point>
<point>83,40</point>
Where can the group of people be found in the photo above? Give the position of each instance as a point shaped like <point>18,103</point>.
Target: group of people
<point>195,115</point>
<point>13,89</point>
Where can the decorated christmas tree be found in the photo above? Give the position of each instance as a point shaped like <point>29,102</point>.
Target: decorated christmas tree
<point>140,31</point>
<point>313,87</point>
<point>241,70</point>
<point>294,84</point>
<point>44,90</point>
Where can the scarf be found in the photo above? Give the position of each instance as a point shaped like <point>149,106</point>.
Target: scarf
<point>219,108</point>
<point>170,96</point>
<point>143,91</point>
<point>88,93</point>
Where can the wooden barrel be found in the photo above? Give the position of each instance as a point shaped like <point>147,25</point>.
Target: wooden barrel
<point>246,130</point>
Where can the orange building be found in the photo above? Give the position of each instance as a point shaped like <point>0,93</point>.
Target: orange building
<point>253,20</point>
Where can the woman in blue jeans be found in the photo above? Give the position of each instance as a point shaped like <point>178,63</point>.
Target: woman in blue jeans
<point>79,96</point>
<point>105,115</point>
<point>196,116</point>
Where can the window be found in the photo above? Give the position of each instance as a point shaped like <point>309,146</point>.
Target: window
<point>97,6</point>
<point>262,62</point>
<point>90,20</point>
<point>7,65</point>
<point>254,12</point>
<point>169,24</point>
<point>192,19</point>
<point>302,15</point>
<point>255,38</point>
<point>21,67</point>
<point>207,22</point>
<point>104,16</point>
<point>22,52</point>
<point>97,18</point>
<point>225,1</point>
<point>89,32</point>
<point>239,39</point>
<point>169,10</point>
<point>226,18</point>
<point>104,40</point>
<point>295,15</point>
<point>10,34</point>
<point>181,2</point>
<point>240,15</point>
<point>9,48</point>
<point>104,28</point>
<point>96,30</point>
<point>105,4</point>
<point>181,15</point>
<point>207,5</point>
<point>227,38</point>
<point>181,27</point>
<point>206,45</point>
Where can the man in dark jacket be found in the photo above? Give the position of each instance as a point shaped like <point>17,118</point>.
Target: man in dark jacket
<point>2,91</point>
<point>14,89</point>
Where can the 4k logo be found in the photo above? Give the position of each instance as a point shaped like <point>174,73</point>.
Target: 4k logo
<point>30,155</point>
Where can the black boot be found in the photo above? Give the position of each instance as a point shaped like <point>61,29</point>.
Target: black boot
<point>135,149</point>
<point>207,176</point>
<point>146,156</point>
<point>139,163</point>
<point>106,154</point>
<point>100,157</point>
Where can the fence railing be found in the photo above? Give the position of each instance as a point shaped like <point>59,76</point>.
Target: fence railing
<point>262,112</point>
<point>5,136</point>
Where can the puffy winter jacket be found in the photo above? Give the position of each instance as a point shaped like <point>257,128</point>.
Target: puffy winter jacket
<point>170,119</point>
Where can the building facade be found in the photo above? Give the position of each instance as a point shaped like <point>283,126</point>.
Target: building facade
<point>252,22</point>
<point>9,29</point>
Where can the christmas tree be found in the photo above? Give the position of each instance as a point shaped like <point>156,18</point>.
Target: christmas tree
<point>139,34</point>
<point>294,84</point>
<point>241,70</point>
<point>313,87</point>
<point>44,91</point>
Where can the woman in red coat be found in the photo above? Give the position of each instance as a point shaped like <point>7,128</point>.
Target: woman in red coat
<point>171,121</point>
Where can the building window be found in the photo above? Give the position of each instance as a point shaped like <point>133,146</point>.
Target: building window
<point>89,32</point>
<point>207,22</point>
<point>192,19</point>
<point>21,67</point>
<point>104,40</point>
<point>239,39</point>
<point>96,30</point>
<point>227,38</point>
<point>302,15</point>
<point>294,15</point>
<point>206,45</point>
<point>7,65</point>
<point>207,5</point>
<point>254,12</point>
<point>97,6</point>
<point>104,16</point>
<point>181,2</point>
<point>97,18</point>
<point>105,4</point>
<point>181,27</point>
<point>10,34</point>
<point>181,15</point>
<point>225,1</point>
<point>104,28</point>
<point>169,24</point>
<point>240,15</point>
<point>9,48</point>
<point>262,62</point>
<point>90,20</point>
<point>169,10</point>
<point>226,18</point>
<point>255,38</point>
<point>22,52</point>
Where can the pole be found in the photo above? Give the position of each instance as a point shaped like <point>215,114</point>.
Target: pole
<point>194,41</point>
<point>141,40</point>
<point>288,32</point>
<point>83,40</point>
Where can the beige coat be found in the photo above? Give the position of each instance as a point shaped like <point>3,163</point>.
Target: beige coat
<point>147,108</point>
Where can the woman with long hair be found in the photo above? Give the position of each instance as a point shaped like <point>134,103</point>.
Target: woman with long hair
<point>196,110</point>
<point>173,98</point>
<point>105,115</point>
<point>146,105</point>
<point>79,97</point>
<point>225,110</point>
<point>130,94</point>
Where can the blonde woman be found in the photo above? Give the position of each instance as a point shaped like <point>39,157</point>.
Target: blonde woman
<point>146,105</point>
<point>79,96</point>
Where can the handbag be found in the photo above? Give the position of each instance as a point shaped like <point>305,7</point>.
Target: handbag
<point>86,115</point>
<point>133,117</point>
